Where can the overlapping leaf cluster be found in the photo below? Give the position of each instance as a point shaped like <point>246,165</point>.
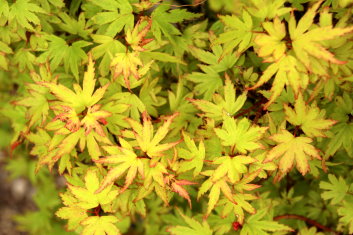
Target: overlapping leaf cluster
<point>145,106</point>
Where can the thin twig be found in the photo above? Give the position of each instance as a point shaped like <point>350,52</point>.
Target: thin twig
<point>307,220</point>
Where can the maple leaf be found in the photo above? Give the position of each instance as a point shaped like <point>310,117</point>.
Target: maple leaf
<point>287,72</point>
<point>256,225</point>
<point>291,149</point>
<point>127,160</point>
<point>240,135</point>
<point>215,189</point>
<point>177,186</point>
<point>117,16</point>
<point>238,208</point>
<point>336,189</point>
<point>126,64</point>
<point>206,83</point>
<point>345,211</point>
<point>148,143</point>
<point>233,167</point>
<point>24,13</point>
<point>107,48</point>
<point>87,197</point>
<point>194,227</point>
<point>74,215</point>
<point>194,156</point>
<point>4,49</point>
<point>305,42</point>
<point>82,97</point>
<point>271,44</point>
<point>238,34</point>
<point>309,118</point>
<point>136,38</point>
<point>228,103</point>
<point>59,51</point>
<point>163,20</point>
<point>268,9</point>
<point>99,225</point>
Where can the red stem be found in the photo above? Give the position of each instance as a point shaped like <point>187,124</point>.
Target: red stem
<point>307,220</point>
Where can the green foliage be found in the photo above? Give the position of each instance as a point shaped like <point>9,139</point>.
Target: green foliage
<point>153,113</point>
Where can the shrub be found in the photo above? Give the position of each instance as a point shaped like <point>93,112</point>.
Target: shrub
<point>217,117</point>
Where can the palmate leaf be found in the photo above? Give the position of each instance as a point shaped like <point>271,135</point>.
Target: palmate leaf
<point>82,97</point>
<point>163,20</point>
<point>194,156</point>
<point>215,189</point>
<point>127,160</point>
<point>107,48</point>
<point>227,103</point>
<point>290,149</point>
<point>287,72</point>
<point>233,167</point>
<point>268,9</point>
<point>147,140</point>
<point>346,213</point>
<point>256,225</point>
<point>309,118</point>
<point>305,42</point>
<point>117,15</point>
<point>71,55</point>
<point>23,12</point>
<point>239,33</point>
<point>100,225</point>
<point>240,135</point>
<point>336,189</point>
<point>74,215</point>
<point>87,197</point>
<point>207,82</point>
<point>194,227</point>
<point>239,207</point>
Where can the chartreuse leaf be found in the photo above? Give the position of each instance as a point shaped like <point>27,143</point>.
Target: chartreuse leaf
<point>271,44</point>
<point>286,71</point>
<point>268,9</point>
<point>82,97</point>
<point>107,48</point>
<point>117,15</point>
<point>241,204</point>
<point>127,160</point>
<point>336,189</point>
<point>238,33</point>
<point>233,167</point>
<point>71,55</point>
<point>215,189</point>
<point>163,20</point>
<point>87,196</point>
<point>292,149</point>
<point>4,49</point>
<point>256,225</point>
<point>147,140</point>
<point>346,213</point>
<point>194,227</point>
<point>74,215</point>
<point>227,103</point>
<point>194,156</point>
<point>23,12</point>
<point>207,82</point>
<point>306,41</point>
<point>309,118</point>
<point>240,134</point>
<point>100,225</point>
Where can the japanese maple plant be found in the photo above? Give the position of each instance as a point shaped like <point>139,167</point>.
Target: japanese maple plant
<point>190,117</point>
